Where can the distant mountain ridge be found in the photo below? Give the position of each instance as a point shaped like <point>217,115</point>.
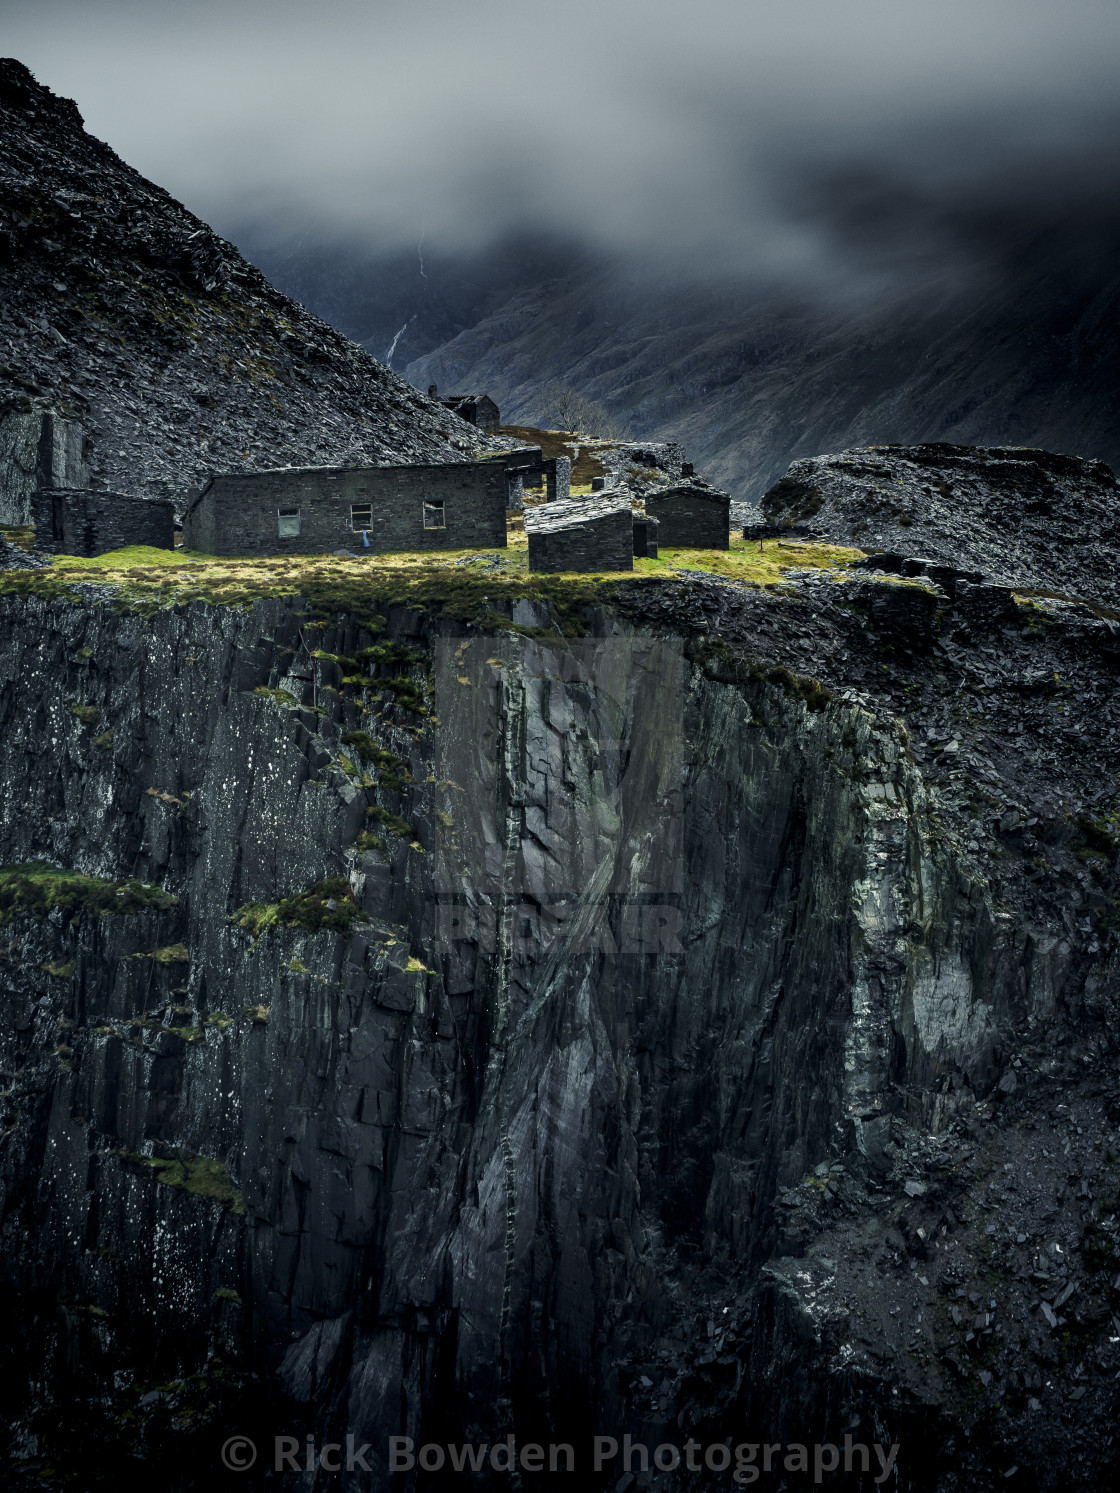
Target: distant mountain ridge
<point>1026,354</point>
<point>121,309</point>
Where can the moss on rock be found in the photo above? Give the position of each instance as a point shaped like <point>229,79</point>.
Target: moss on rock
<point>198,1175</point>
<point>328,906</point>
<point>38,888</point>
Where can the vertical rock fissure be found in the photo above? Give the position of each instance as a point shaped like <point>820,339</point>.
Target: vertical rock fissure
<point>512,727</point>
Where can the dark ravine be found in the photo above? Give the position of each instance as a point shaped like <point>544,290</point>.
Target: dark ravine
<point>1020,350</point>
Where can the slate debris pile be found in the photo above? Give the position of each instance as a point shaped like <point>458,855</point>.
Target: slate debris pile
<point>1010,708</point>
<point>13,557</point>
<point>121,309</point>
<point>1023,517</point>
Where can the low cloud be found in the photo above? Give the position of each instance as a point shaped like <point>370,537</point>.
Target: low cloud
<point>829,143</point>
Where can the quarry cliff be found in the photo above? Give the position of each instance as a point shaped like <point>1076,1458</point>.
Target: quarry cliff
<point>485,1006</point>
<point>447,1003</point>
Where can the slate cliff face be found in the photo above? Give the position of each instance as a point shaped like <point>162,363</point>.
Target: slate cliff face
<point>529,1089</point>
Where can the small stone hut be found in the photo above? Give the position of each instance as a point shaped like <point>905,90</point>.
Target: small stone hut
<point>691,515</point>
<point>581,534</point>
<point>84,521</point>
<point>317,510</point>
<point>476,409</point>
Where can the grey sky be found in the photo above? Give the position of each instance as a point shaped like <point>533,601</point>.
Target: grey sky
<point>701,128</point>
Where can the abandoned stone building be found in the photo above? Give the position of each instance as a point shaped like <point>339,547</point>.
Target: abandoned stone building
<point>476,409</point>
<point>316,510</point>
<point>581,534</point>
<point>645,536</point>
<point>691,515</point>
<point>526,468</point>
<point>38,448</point>
<point>85,521</point>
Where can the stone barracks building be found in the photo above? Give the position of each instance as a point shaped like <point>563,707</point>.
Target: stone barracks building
<point>316,510</point>
<point>476,409</point>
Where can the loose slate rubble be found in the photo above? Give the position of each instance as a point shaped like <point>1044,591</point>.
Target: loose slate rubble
<point>122,311</point>
<point>1022,517</point>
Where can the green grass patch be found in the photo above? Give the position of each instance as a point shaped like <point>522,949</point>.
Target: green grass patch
<point>282,697</point>
<point>144,555</point>
<point>175,953</point>
<point>326,907</point>
<point>431,581</point>
<point>37,887</point>
<point>197,1175</point>
<point>764,562</point>
<point>392,772</point>
<point>21,535</point>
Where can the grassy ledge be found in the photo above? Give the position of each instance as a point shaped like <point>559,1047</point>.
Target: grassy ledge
<point>197,1175</point>
<point>37,887</point>
<point>464,584</point>
<point>328,906</point>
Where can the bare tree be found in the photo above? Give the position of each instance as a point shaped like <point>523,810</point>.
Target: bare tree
<point>565,408</point>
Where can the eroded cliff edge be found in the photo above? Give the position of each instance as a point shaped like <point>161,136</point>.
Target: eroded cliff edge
<point>637,967</point>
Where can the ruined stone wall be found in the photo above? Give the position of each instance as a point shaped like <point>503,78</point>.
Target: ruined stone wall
<point>37,449</point>
<point>645,536</point>
<point>80,521</point>
<point>578,540</point>
<point>237,514</point>
<point>558,478</point>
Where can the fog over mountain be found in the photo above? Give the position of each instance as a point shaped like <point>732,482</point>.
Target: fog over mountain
<point>756,229</point>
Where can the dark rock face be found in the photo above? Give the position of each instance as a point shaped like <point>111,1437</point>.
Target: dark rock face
<point>703,1028</point>
<point>124,312</point>
<point>1021,517</point>
<point>669,977</point>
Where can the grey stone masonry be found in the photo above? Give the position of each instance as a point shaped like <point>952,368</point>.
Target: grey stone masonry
<point>645,536</point>
<point>82,521</point>
<point>366,510</point>
<point>37,449</point>
<point>692,515</point>
<point>557,478</point>
<point>581,534</point>
<point>527,468</point>
<point>476,409</point>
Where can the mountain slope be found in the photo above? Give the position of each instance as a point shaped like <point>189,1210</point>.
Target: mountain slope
<point>1022,351</point>
<point>121,309</point>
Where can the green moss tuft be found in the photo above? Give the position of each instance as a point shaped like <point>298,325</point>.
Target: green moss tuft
<point>328,906</point>
<point>392,822</point>
<point>197,1175</point>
